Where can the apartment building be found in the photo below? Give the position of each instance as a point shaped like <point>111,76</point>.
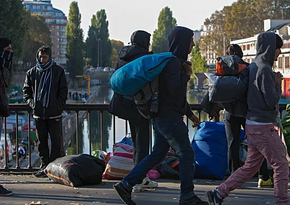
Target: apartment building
<point>282,28</point>
<point>56,21</point>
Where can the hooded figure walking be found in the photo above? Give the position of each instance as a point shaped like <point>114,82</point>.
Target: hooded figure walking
<point>170,129</point>
<point>263,96</point>
<point>125,108</point>
<point>45,91</point>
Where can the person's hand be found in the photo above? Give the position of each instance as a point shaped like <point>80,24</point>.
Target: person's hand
<point>278,77</point>
<point>195,120</point>
<point>187,68</point>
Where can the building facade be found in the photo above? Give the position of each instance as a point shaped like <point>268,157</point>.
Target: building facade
<point>56,21</point>
<point>282,28</point>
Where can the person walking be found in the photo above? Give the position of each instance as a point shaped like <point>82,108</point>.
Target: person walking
<point>263,96</point>
<point>169,127</point>
<point>45,91</point>
<point>6,58</point>
<point>139,126</point>
<point>233,125</point>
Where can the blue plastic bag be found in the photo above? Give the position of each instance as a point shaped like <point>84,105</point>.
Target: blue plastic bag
<point>210,146</point>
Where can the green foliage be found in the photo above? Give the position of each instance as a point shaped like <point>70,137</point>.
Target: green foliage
<point>74,49</point>
<point>37,35</point>
<point>116,46</point>
<point>165,24</point>
<point>12,24</point>
<point>242,19</point>
<point>198,62</point>
<point>98,44</point>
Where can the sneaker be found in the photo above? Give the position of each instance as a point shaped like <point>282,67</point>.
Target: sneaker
<point>265,184</point>
<point>40,174</point>
<point>195,200</point>
<point>124,194</point>
<point>146,184</point>
<point>5,192</point>
<point>213,198</point>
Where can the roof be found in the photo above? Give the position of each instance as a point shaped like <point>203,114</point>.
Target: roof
<point>278,27</point>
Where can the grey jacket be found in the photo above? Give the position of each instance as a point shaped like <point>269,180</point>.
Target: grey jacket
<point>264,92</point>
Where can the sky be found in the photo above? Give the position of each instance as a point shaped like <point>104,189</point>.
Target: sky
<point>127,16</point>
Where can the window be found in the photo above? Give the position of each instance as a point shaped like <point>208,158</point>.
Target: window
<point>280,62</point>
<point>57,27</point>
<point>287,62</point>
<point>244,47</point>
<point>248,47</point>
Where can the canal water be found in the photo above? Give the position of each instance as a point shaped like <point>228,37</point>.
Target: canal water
<point>104,96</point>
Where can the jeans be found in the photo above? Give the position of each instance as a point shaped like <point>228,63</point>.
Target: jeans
<point>233,131</point>
<point>263,142</point>
<point>169,132</point>
<point>54,129</point>
<point>140,139</point>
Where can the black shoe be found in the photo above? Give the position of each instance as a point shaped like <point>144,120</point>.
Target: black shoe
<point>40,174</point>
<point>5,192</point>
<point>213,198</point>
<point>123,193</point>
<point>195,200</point>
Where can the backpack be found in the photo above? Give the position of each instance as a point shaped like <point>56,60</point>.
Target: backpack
<point>140,78</point>
<point>229,65</point>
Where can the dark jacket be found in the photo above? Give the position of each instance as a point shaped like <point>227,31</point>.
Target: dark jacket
<point>173,80</point>
<point>264,92</point>
<point>124,106</point>
<point>58,93</point>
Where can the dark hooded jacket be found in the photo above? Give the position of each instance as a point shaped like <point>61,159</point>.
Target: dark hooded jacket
<point>139,47</point>
<point>173,79</point>
<point>264,92</point>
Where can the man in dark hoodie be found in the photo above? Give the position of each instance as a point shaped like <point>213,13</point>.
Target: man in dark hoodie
<point>140,42</point>
<point>233,125</point>
<point>170,129</point>
<point>45,91</point>
<point>6,57</point>
<point>263,140</point>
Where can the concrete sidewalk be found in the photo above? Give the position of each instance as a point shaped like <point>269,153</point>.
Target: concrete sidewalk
<point>28,188</point>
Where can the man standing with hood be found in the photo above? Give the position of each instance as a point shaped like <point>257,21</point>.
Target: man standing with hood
<point>139,126</point>
<point>6,57</point>
<point>170,129</point>
<point>263,96</point>
<point>45,91</point>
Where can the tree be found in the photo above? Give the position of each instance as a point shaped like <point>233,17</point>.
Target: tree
<point>12,24</point>
<point>242,19</point>
<point>98,44</point>
<point>116,47</point>
<point>197,61</point>
<point>37,35</point>
<point>74,49</point>
<point>165,24</point>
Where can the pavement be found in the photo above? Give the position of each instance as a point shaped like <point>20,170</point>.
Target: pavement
<point>29,190</point>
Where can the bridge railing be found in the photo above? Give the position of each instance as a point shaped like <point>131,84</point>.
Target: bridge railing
<point>80,110</point>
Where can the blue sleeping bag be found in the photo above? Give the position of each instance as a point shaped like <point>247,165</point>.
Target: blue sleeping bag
<point>210,146</point>
<point>130,78</point>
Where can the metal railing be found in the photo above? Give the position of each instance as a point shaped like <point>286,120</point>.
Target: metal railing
<point>77,108</point>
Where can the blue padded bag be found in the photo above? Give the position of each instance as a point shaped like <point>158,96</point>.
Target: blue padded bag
<point>210,146</point>
<point>130,78</point>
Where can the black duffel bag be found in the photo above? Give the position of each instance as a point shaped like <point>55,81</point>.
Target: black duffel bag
<point>76,170</point>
